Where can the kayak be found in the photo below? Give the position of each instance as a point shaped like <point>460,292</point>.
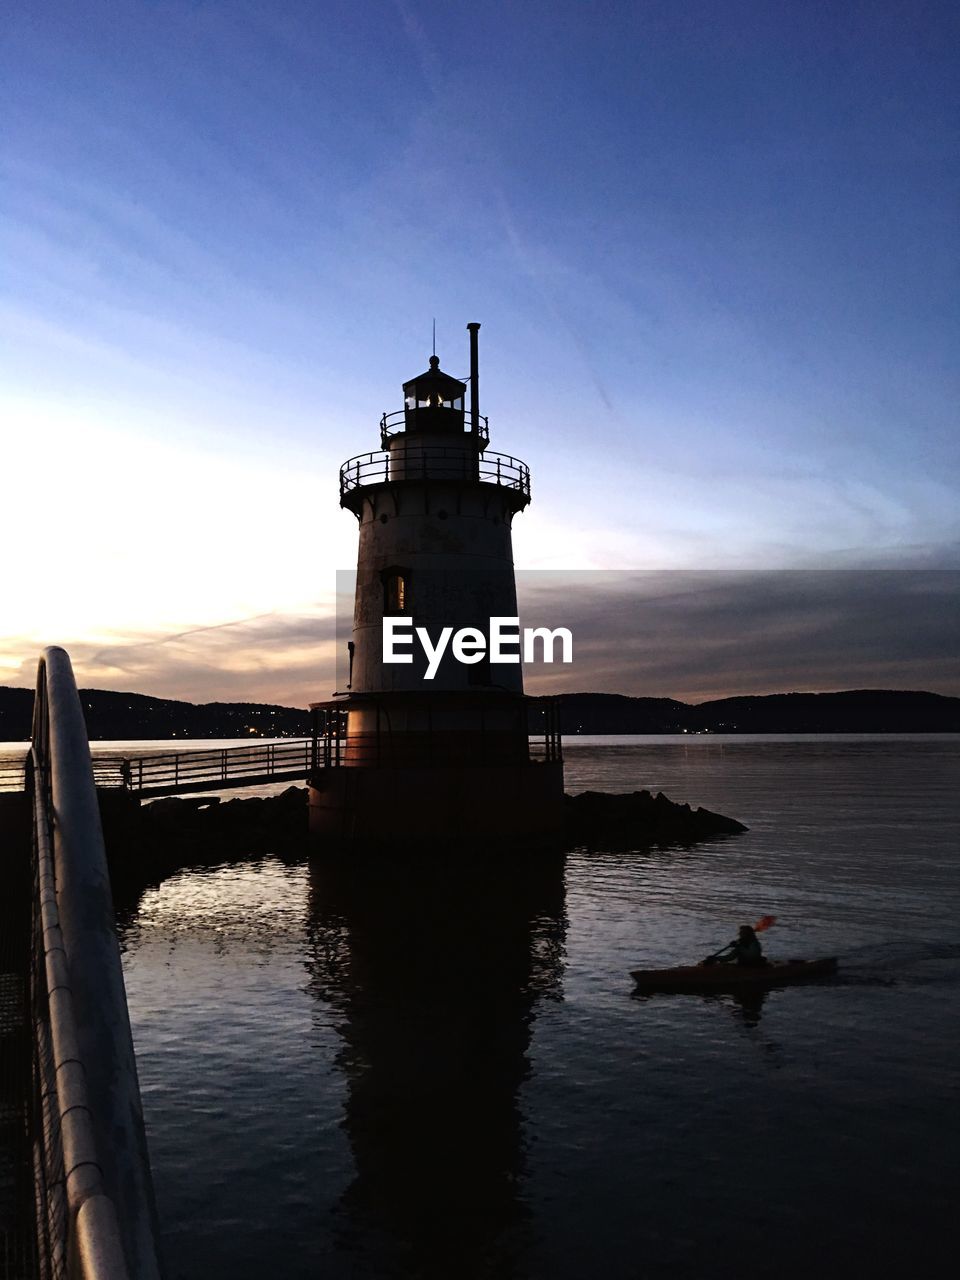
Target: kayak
<point>732,977</point>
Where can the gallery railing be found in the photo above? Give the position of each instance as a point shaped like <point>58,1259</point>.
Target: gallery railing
<point>434,462</point>
<point>392,424</point>
<point>534,738</point>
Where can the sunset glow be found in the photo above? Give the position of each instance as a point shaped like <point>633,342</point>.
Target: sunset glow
<point>218,273</point>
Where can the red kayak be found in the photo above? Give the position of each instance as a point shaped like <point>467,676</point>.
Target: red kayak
<point>733,977</point>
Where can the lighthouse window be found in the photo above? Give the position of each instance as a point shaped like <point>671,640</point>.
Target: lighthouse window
<point>432,400</point>
<point>396,592</point>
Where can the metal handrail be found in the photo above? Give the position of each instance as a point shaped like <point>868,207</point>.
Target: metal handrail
<point>92,1147</point>
<point>392,424</point>
<point>169,771</point>
<point>434,462</point>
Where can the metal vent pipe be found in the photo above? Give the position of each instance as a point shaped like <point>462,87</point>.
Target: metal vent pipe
<point>474,377</point>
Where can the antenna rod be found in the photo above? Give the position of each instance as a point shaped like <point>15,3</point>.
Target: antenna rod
<point>474,378</point>
<point>434,335</point>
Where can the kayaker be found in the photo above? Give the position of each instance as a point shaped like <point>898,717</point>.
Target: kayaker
<point>745,949</point>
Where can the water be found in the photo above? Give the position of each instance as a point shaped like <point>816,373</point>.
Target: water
<point>429,1071</point>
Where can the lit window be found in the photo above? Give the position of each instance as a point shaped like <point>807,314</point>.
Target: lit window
<point>396,592</point>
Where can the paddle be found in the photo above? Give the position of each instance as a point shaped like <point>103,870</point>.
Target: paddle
<point>764,923</point>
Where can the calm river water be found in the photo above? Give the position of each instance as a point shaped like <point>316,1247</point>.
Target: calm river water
<point>443,1072</point>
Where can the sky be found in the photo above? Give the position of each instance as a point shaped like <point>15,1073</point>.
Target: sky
<point>713,249</point>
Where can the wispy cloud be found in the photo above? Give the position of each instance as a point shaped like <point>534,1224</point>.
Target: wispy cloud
<point>283,659</point>
<point>670,634</point>
<point>704,635</point>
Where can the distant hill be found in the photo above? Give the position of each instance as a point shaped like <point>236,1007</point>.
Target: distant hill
<point>133,715</point>
<point>618,713</point>
<point>16,712</point>
<point>854,711</point>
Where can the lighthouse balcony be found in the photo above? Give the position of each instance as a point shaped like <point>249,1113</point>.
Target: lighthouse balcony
<point>465,423</point>
<point>366,732</point>
<point>420,462</point>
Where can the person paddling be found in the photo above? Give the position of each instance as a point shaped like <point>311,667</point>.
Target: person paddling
<point>744,950</point>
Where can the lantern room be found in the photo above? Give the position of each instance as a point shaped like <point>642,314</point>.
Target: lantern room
<point>433,402</point>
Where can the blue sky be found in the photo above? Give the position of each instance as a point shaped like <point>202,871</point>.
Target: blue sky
<point>713,249</point>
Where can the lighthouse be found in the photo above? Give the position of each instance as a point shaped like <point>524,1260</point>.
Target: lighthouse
<point>432,744</point>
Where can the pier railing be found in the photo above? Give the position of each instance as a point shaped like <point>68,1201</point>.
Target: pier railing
<point>168,773</point>
<point>96,1218</point>
<point>13,771</point>
<point>164,773</point>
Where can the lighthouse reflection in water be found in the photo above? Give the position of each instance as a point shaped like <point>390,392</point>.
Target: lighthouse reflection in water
<point>435,973</point>
<point>333,1082</point>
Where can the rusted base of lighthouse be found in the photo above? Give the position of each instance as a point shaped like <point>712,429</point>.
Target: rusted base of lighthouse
<point>431,787</point>
<point>505,808</point>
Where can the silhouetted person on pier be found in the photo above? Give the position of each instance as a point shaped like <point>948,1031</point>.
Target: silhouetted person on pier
<point>126,776</point>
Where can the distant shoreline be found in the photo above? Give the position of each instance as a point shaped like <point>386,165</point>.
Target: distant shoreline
<point>113,716</point>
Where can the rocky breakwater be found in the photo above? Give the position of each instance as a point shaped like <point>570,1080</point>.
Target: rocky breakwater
<point>153,840</point>
<point>212,830</point>
<point>260,821</point>
<point>638,819</point>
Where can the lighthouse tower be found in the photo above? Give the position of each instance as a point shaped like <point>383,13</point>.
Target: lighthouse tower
<point>407,760</point>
